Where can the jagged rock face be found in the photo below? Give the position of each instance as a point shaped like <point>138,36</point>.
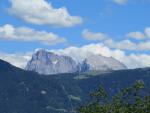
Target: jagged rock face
<point>101,63</point>
<point>47,63</point>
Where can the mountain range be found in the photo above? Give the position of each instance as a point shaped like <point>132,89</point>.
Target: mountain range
<point>48,63</point>
<point>24,91</point>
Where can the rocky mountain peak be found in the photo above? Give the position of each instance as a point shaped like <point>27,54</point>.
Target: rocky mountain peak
<point>45,62</point>
<point>101,63</point>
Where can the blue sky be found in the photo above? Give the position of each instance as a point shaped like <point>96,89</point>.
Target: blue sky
<point>118,24</point>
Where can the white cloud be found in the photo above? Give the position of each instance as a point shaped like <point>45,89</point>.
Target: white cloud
<point>137,60</point>
<point>124,44</point>
<point>120,2</point>
<point>137,35</point>
<point>88,35</point>
<point>18,59</point>
<point>128,45</point>
<point>41,12</point>
<point>80,53</point>
<point>147,32</point>
<point>131,60</point>
<point>9,32</point>
<point>143,46</point>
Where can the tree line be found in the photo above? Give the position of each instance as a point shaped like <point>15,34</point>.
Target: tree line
<point>134,99</point>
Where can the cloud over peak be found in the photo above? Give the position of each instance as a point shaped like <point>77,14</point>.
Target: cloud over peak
<point>130,60</point>
<point>40,12</point>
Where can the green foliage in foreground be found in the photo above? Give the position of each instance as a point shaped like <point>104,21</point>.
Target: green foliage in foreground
<point>130,100</point>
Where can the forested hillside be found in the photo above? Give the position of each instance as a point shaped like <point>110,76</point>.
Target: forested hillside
<point>28,92</point>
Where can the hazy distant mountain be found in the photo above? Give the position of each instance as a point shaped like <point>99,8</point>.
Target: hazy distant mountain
<point>28,92</point>
<point>101,63</point>
<point>45,62</point>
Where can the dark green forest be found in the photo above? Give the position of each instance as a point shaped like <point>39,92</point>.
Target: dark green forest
<point>129,100</point>
<point>28,92</point>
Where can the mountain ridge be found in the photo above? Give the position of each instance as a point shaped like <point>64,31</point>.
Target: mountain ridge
<point>47,63</point>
